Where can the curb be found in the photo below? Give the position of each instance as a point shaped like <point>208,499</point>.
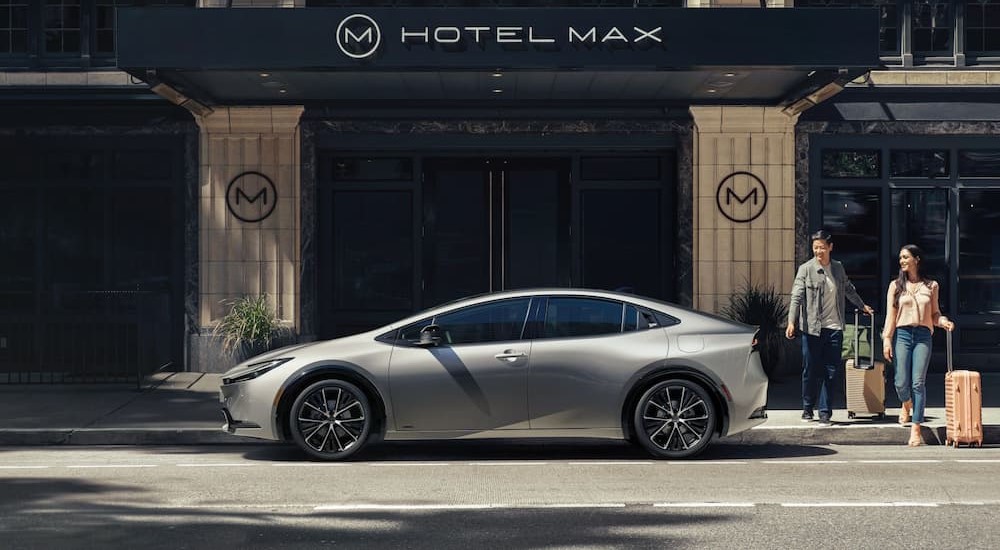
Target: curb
<point>116,436</point>
<point>847,435</point>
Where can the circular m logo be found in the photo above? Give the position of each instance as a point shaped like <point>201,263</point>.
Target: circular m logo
<point>251,197</point>
<point>741,197</point>
<point>358,36</point>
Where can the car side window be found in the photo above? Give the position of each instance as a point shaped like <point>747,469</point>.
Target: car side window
<point>491,322</point>
<point>574,317</point>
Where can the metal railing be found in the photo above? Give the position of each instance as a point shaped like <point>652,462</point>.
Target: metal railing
<point>93,336</point>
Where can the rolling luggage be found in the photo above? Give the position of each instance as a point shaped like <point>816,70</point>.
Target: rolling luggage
<point>963,402</point>
<point>865,377</point>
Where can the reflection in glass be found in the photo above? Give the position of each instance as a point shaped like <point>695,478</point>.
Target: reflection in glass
<point>979,163</point>
<point>576,317</point>
<point>918,164</point>
<point>920,217</point>
<point>373,250</point>
<point>979,251</point>
<point>852,216</point>
<point>493,322</point>
<point>932,21</point>
<point>866,163</point>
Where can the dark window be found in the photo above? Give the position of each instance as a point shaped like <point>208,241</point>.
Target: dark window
<point>932,22</point>
<point>104,24</point>
<point>633,320</point>
<point>979,163</point>
<point>620,168</point>
<point>141,165</point>
<point>17,248</point>
<point>141,245</point>
<point>372,169</point>
<point>982,26</point>
<point>576,317</point>
<point>73,165</point>
<point>849,163</point>
<point>13,26</point>
<point>373,250</point>
<point>621,241</point>
<point>920,217</point>
<point>979,246</point>
<point>918,164</point>
<point>852,216</point>
<point>61,20</point>
<point>888,18</point>
<point>492,322</point>
<point>497,3</point>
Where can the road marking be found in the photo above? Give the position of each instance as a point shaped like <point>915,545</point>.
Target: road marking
<point>704,505</point>
<point>928,461</point>
<point>705,463</point>
<point>974,460</point>
<point>806,461</point>
<point>859,504</point>
<point>410,464</point>
<point>23,467</point>
<point>116,466</point>
<point>508,463</point>
<point>309,464</point>
<point>214,465</point>
<point>420,507</point>
<point>614,463</point>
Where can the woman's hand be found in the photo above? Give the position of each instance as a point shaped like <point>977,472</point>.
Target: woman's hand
<point>946,323</point>
<point>887,352</point>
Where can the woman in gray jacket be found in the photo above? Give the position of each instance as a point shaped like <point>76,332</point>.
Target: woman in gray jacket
<point>816,308</point>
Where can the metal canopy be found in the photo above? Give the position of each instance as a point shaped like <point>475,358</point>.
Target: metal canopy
<point>384,56</point>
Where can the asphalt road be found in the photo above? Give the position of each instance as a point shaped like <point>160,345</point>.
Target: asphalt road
<point>499,495</point>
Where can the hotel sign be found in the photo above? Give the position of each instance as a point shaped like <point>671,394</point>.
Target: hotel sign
<point>491,38</point>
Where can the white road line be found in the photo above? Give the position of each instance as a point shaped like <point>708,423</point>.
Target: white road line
<point>705,463</point>
<point>23,467</point>
<point>614,463</point>
<point>806,461</point>
<point>410,464</point>
<point>115,466</point>
<point>704,505</point>
<point>309,464</point>
<point>859,504</point>
<point>975,460</point>
<point>419,507</point>
<point>508,463</point>
<point>214,465</point>
<point>887,461</point>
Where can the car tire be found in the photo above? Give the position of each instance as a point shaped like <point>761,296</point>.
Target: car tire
<point>330,419</point>
<point>675,419</point>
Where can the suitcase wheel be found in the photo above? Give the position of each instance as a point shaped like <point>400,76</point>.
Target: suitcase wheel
<point>880,416</point>
<point>850,414</point>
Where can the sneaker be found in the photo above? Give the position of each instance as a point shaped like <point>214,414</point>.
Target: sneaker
<point>824,420</point>
<point>807,416</point>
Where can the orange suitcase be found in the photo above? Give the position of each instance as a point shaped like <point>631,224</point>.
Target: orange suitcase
<point>865,377</point>
<point>963,401</point>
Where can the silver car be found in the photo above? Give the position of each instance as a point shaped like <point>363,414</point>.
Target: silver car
<point>528,363</point>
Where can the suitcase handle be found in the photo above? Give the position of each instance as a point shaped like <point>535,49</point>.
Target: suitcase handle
<point>871,340</point>
<point>948,340</point>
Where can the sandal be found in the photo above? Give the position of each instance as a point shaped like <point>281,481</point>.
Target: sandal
<point>916,439</point>
<point>904,413</point>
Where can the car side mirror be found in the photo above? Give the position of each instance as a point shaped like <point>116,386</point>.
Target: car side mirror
<point>430,336</point>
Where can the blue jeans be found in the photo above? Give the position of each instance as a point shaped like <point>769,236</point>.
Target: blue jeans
<point>820,365</point>
<point>911,349</point>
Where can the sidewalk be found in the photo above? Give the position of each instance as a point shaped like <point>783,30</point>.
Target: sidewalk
<point>183,409</point>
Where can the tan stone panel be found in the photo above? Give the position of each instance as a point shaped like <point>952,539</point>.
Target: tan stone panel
<point>788,151</point>
<point>235,282</point>
<point>741,244</point>
<point>741,273</point>
<point>289,309</point>
<point>775,253</point>
<point>285,119</point>
<point>250,120</point>
<point>707,119</point>
<point>205,309</point>
<point>724,150</point>
<point>288,271</point>
<point>788,246</point>
<point>707,149</point>
<point>26,79</point>
<point>966,78</point>
<point>758,271</point>
<point>776,120</point>
<point>927,78</point>
<point>773,215</point>
<point>724,284</point>
<point>3,78</point>
<point>707,212</point>
<point>251,152</point>
<point>708,179</point>
<point>724,245</point>
<point>216,152</point>
<point>742,119</point>
<point>760,145</point>
<point>286,180</point>
<point>888,78</point>
<point>777,273</point>
<point>706,245</point>
<point>286,151</point>
<point>221,305</point>
<point>234,245</point>
<point>66,79</point>
<point>234,153</point>
<point>740,149</point>
<point>268,151</point>
<point>286,214</point>
<point>251,271</point>
<point>269,278</point>
<point>108,78</point>
<point>215,277</point>
<point>286,245</point>
<point>217,122</point>
<point>706,278</point>
<point>758,245</point>
<point>992,77</point>
<point>251,245</point>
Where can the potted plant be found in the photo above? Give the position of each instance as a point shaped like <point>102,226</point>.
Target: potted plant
<point>763,307</point>
<point>250,328</point>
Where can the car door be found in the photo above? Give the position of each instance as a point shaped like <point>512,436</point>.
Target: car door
<point>585,352</point>
<point>475,378</point>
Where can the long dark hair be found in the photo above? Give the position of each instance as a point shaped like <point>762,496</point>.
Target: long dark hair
<point>918,255</point>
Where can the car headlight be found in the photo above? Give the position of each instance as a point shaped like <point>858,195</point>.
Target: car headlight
<point>253,371</point>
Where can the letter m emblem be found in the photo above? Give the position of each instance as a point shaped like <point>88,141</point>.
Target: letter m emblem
<point>730,195</point>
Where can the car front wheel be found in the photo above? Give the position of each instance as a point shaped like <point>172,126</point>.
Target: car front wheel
<point>675,419</point>
<point>331,419</point>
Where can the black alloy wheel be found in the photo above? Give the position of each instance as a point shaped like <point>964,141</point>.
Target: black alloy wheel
<point>675,419</point>
<point>331,419</point>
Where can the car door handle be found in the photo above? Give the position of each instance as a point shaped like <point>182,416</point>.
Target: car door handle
<point>510,355</point>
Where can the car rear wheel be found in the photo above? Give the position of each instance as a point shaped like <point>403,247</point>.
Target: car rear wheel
<point>675,419</point>
<point>331,419</point>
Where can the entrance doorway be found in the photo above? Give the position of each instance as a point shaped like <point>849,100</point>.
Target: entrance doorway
<point>494,224</point>
<point>402,234</point>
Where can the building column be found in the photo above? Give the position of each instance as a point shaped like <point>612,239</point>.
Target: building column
<point>744,192</point>
<point>249,217</point>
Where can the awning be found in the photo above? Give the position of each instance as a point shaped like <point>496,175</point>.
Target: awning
<point>449,57</point>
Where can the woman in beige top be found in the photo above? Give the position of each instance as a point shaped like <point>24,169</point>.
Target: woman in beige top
<point>912,312</point>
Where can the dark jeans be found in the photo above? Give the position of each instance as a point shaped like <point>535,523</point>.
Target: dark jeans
<point>820,365</point>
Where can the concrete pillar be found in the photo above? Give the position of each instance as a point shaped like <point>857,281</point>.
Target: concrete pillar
<point>739,154</point>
